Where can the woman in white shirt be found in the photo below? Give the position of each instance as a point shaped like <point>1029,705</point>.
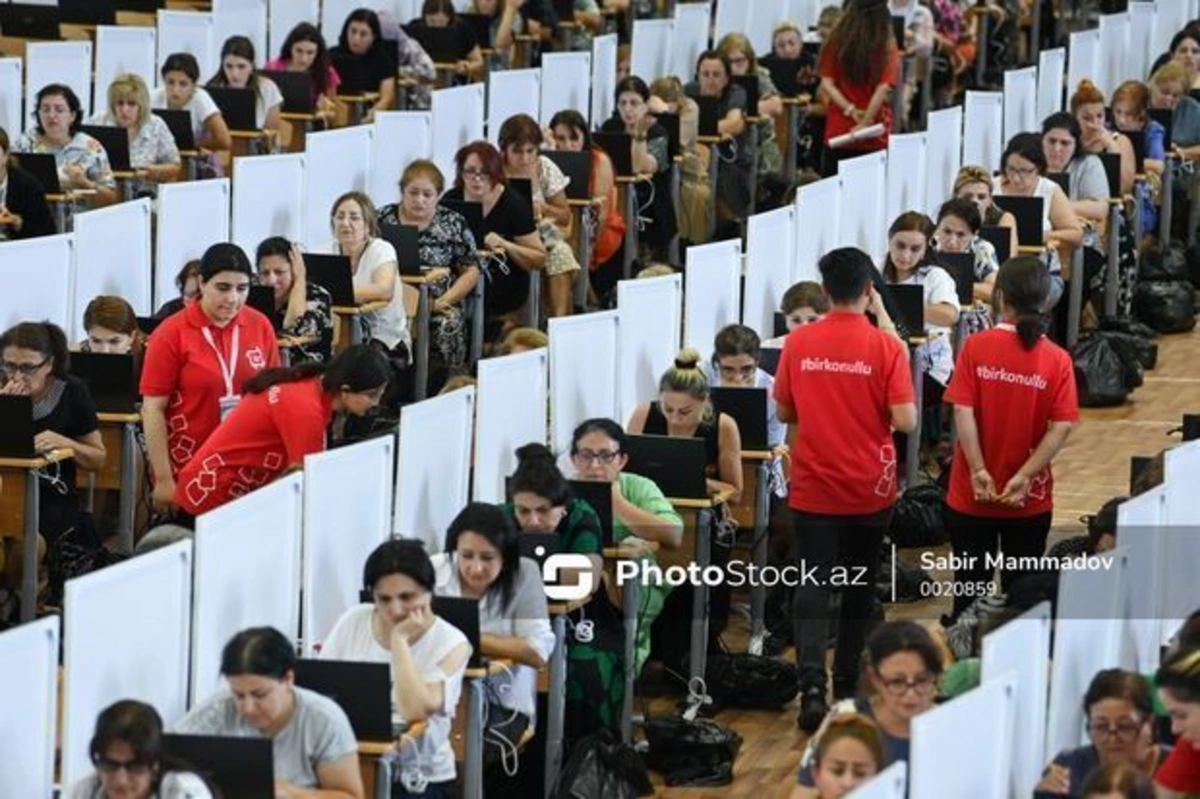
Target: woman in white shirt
<point>427,656</point>
<point>373,264</point>
<point>152,151</point>
<point>179,92</point>
<point>237,72</point>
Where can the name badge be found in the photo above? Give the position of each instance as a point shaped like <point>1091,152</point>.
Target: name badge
<point>228,404</point>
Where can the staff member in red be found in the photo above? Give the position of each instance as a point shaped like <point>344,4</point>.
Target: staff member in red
<point>846,386</point>
<point>1013,393</point>
<point>196,363</point>
<point>283,417</point>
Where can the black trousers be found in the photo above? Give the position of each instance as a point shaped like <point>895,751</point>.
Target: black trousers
<point>977,537</point>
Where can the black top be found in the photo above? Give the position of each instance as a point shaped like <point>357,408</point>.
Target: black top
<point>73,416</point>
<point>377,64</point>
<point>511,217</point>
<point>27,199</point>
<point>461,32</point>
<point>656,425</point>
<point>169,308</point>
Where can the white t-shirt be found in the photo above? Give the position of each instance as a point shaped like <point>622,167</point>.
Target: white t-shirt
<point>352,639</point>
<point>267,97</point>
<point>174,785</point>
<point>390,323</point>
<point>201,106</point>
<point>937,287</point>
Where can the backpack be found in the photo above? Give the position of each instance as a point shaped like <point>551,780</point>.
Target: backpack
<point>601,767</point>
<point>699,752</point>
<point>751,681</point>
<point>918,518</point>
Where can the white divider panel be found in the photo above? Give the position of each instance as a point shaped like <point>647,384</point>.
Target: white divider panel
<point>512,412</point>
<point>943,154</point>
<point>1088,636</point>
<point>333,15</point>
<point>1020,102</point>
<point>954,755</point>
<point>1022,648</point>
<point>566,83</point>
<point>1114,41</point>
<point>907,173</point>
<point>604,77</point>
<point>191,217</point>
<point>121,49</point>
<point>711,297</point>
<point>433,466</point>
<point>1140,520</point>
<point>401,137</point>
<point>1083,58</point>
<point>11,118</point>
<point>145,657</point>
<point>1052,68</point>
<point>44,268</point>
<point>1170,16</point>
<point>804,13</point>
<point>1141,52</point>
<point>648,335</point>
<point>457,120</point>
<point>731,18</point>
<point>69,63</point>
<point>189,32</point>
<point>983,127</point>
<point>102,268</point>
<point>247,574</point>
<point>244,18</point>
<point>864,186</point>
<point>760,23</point>
<point>347,513</point>
<point>268,200</point>
<point>771,251</point>
<point>891,783</point>
<point>336,161</point>
<point>29,673</point>
<point>511,92</point>
<point>692,22</point>
<point>1182,516</point>
<point>283,15</point>
<point>583,373</point>
<point>818,206</point>
<point>651,54</point>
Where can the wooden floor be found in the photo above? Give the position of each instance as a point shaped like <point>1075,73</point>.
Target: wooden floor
<point>1093,467</point>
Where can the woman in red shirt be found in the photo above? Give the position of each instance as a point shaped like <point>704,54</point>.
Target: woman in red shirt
<point>283,418</point>
<point>1014,401</point>
<point>196,363</point>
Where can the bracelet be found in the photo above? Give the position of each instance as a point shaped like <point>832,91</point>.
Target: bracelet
<point>640,138</point>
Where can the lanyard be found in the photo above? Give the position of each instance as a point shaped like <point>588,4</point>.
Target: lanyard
<point>227,367</point>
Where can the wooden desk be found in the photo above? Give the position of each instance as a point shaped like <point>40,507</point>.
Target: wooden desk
<point>22,517</point>
<point>288,343</point>
<point>356,105</point>
<point>376,771</point>
<point>713,162</point>
<point>344,320</point>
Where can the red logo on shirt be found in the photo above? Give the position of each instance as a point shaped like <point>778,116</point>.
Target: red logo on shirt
<point>255,358</point>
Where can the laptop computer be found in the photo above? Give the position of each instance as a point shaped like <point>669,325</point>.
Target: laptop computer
<point>599,496</point>
<point>1028,213</point>
<point>539,547</point>
<point>898,30</point>
<point>1000,239</point>
<point>1112,170</point>
<point>749,84</point>
<point>910,306</point>
<point>115,142</point>
<point>180,125</point>
<point>237,106</point>
<point>353,73</point>
<point>779,326</point>
<point>523,187</point>
<point>442,44</point>
<point>16,427</point>
<point>1164,117</point>
<point>1062,179</point>
<point>332,272</point>
<point>109,378</point>
<point>619,147</point>
<point>296,88</point>
<point>473,214</point>
<point>676,465</point>
<point>362,690</point>
<point>148,324</point>
<point>240,768</point>
<point>1137,465</point>
<point>28,21</point>
<point>748,408</point>
<point>785,73</point>
<point>464,614</point>
<point>768,359</point>
<point>710,115</point>
<point>578,168</point>
<point>1191,426</point>
<point>1137,140</point>
<point>404,238</point>
<point>88,12</point>
<point>262,299</point>
<point>961,266</point>
<point>144,6</point>
<point>44,169</point>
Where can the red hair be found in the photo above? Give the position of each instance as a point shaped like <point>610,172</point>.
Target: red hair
<point>1086,94</point>
<point>487,154</point>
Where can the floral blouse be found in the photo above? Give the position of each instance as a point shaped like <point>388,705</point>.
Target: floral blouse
<point>446,242</point>
<point>316,321</point>
<point>153,144</point>
<point>82,149</point>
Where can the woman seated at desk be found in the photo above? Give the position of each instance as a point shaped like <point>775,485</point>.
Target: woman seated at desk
<point>179,92</point>
<point>24,213</point>
<point>111,327</point>
<point>974,183</point>
<point>361,41</point>
<point>302,308</point>
<point>187,281</point>
<point>238,72</point>
<point>152,151</point>
<point>714,81</point>
<point>440,15</point>
<point>571,134</point>
<point>504,22</point>
<point>304,51</point>
<point>427,656</point>
<point>82,161</point>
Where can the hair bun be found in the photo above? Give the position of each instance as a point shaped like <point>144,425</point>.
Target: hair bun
<point>688,358</point>
<point>534,452</point>
<point>685,363</point>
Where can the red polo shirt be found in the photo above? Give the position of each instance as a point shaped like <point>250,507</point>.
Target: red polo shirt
<point>180,364</point>
<point>1016,394</point>
<point>263,436</point>
<point>836,121</point>
<point>842,375</point>
<point>1181,770</point>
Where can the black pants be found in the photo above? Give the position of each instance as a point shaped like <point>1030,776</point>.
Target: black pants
<point>976,537</point>
<point>852,544</point>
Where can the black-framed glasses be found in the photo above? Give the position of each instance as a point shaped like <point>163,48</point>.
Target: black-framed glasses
<point>133,768</point>
<point>1124,730</point>
<point>737,371</point>
<point>899,686</point>
<point>605,456</point>
<point>23,368</point>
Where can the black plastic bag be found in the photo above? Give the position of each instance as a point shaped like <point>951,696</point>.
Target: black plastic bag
<point>751,681</point>
<point>1193,263</point>
<point>918,518</point>
<point>1130,326</point>
<point>1141,350</point>
<point>1163,265</point>
<point>1166,307</point>
<point>600,767</point>
<point>699,752</point>
<point>1101,377</point>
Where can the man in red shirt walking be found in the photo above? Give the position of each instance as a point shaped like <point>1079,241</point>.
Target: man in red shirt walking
<point>846,386</point>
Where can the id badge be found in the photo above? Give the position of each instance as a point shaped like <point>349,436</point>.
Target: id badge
<point>228,404</point>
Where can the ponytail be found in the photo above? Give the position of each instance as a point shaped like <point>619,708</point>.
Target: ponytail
<point>1022,287</point>
<point>359,368</point>
<point>282,374</point>
<point>1030,329</point>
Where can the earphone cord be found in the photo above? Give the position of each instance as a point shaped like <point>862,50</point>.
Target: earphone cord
<point>510,757</point>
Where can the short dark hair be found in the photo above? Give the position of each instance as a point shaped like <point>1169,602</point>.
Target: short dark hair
<point>736,340</point>
<point>962,209</point>
<point>182,62</point>
<point>1061,120</point>
<point>599,425</point>
<point>224,257</point>
<point>805,294</point>
<point>894,637</point>
<point>186,272</point>
<point>134,723</point>
<point>272,245</point>
<point>258,651</point>
<point>399,556</point>
<point>632,83</point>
<point>497,527</point>
<point>69,97</point>
<point>519,129</point>
<point>845,273</point>
<point>1120,684</point>
<point>45,338</point>
<point>1029,147</point>
<point>1119,778</point>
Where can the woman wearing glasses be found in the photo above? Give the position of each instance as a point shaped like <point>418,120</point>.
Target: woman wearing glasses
<point>735,365</point>
<point>127,751</point>
<point>1120,723</point>
<point>374,266</point>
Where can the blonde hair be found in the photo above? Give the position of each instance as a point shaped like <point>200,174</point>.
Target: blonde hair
<point>128,86</point>
<point>1171,72</point>
<point>686,377</point>
<point>528,338</point>
<point>457,382</point>
<point>972,174</point>
<point>786,26</point>
<point>365,207</point>
<point>655,270</point>
<point>739,42</point>
<point>669,89</point>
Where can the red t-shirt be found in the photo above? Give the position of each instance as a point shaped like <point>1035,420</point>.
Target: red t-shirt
<point>1016,394</point>
<point>264,435</point>
<point>836,121</point>
<point>1180,772</point>
<point>842,375</point>
<point>181,365</point>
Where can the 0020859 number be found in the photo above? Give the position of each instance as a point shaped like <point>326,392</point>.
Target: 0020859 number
<point>951,588</point>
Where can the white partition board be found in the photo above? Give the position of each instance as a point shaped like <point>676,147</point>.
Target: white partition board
<point>433,466</point>
<point>864,187</point>
<point>711,296</point>
<point>983,129</point>
<point>401,137</point>
<point>1022,648</point>
<point>11,118</point>
<point>101,268</point>
<point>1170,17</point>
<point>1020,102</point>
<point>771,252</point>
<point>1083,59</point>
<point>347,513</point>
<point>44,268</point>
<point>1052,69</point>
<point>1141,52</point>
<point>333,16</point>
<point>731,18</point>
<point>189,32</point>
<point>692,21</point>
<point>144,657</point>
<point>651,52</point>
<point>804,13</point>
<point>511,92</point>
<point>247,573</point>
<point>604,78</point>
<point>761,21</point>
<point>68,63</point>
<point>907,174</point>
<point>457,120</point>
<point>943,155</point>
<point>583,372</point>
<point>29,673</point>
<point>818,206</point>
<point>121,49</point>
<point>336,161</point>
<point>566,83</point>
<point>1114,42</point>
<point>650,312</point>
<point>191,217</point>
<point>1140,529</point>
<point>1181,590</point>
<point>891,783</point>
<point>283,15</point>
<point>244,18</point>
<point>512,412</point>
<point>953,755</point>
<point>268,200</point>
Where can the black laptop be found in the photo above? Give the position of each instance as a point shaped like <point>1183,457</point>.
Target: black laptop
<point>109,378</point>
<point>961,266</point>
<point>578,168</point>
<point>749,84</point>
<point>910,306</point>
<point>464,614</point>
<point>785,73</point>
<point>1062,179</point>
<point>779,326</point>
<point>619,147</point>
<point>353,74</point>
<point>1028,213</point>
<point>1164,117</point>
<point>523,188</point>
<point>1001,240</point>
<point>16,427</point>
<point>332,273</point>
<point>768,359</point>
<point>43,167</point>
<point>676,465</point>
<point>748,408</point>
<point>237,106</point>
<point>442,44</point>
<point>1191,426</point>
<point>1112,170</point>
<point>362,690</point>
<point>115,142</point>
<point>473,214</point>
<point>1137,465</point>
<point>599,496</point>
<point>539,547</point>
<point>404,238</point>
<point>28,21</point>
<point>88,12</point>
<point>180,125</point>
<point>296,88</point>
<point>710,115</point>
<point>240,768</point>
<point>148,324</point>
<point>899,28</point>
<point>262,299</point>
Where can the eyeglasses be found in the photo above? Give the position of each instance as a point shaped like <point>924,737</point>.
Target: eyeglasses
<point>348,218</point>
<point>1124,731</point>
<point>587,456</point>
<point>737,371</point>
<point>474,174</point>
<point>899,686</point>
<point>132,767</point>
<point>23,368</point>
<point>1013,172</point>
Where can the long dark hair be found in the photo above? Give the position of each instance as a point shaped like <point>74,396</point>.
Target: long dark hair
<point>909,222</point>
<point>319,70</point>
<point>357,368</point>
<point>537,473</point>
<point>46,338</point>
<point>494,525</point>
<point>862,41</point>
<point>241,47</point>
<point>1061,120</point>
<point>1023,284</point>
<point>574,120</point>
<point>398,556</point>
<point>368,18</point>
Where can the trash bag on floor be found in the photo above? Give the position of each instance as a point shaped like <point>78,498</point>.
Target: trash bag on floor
<point>1166,307</point>
<point>1101,376</point>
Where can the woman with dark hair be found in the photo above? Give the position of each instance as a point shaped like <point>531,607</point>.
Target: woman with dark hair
<point>238,72</point>
<point>361,41</point>
<point>82,161</point>
<point>958,225</point>
<point>111,327</point>
<point>283,418</point>
<point>736,352</point>
<point>1014,399</point>
<point>714,81</point>
<point>428,655</point>
<point>180,91</point>
<point>1087,183</point>
<point>304,50</point>
<point>571,134</point>
<point>440,14</point>
<point>187,281</point>
<point>303,309</point>
<point>131,762</point>
<point>24,213</point>
<point>315,752</point>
